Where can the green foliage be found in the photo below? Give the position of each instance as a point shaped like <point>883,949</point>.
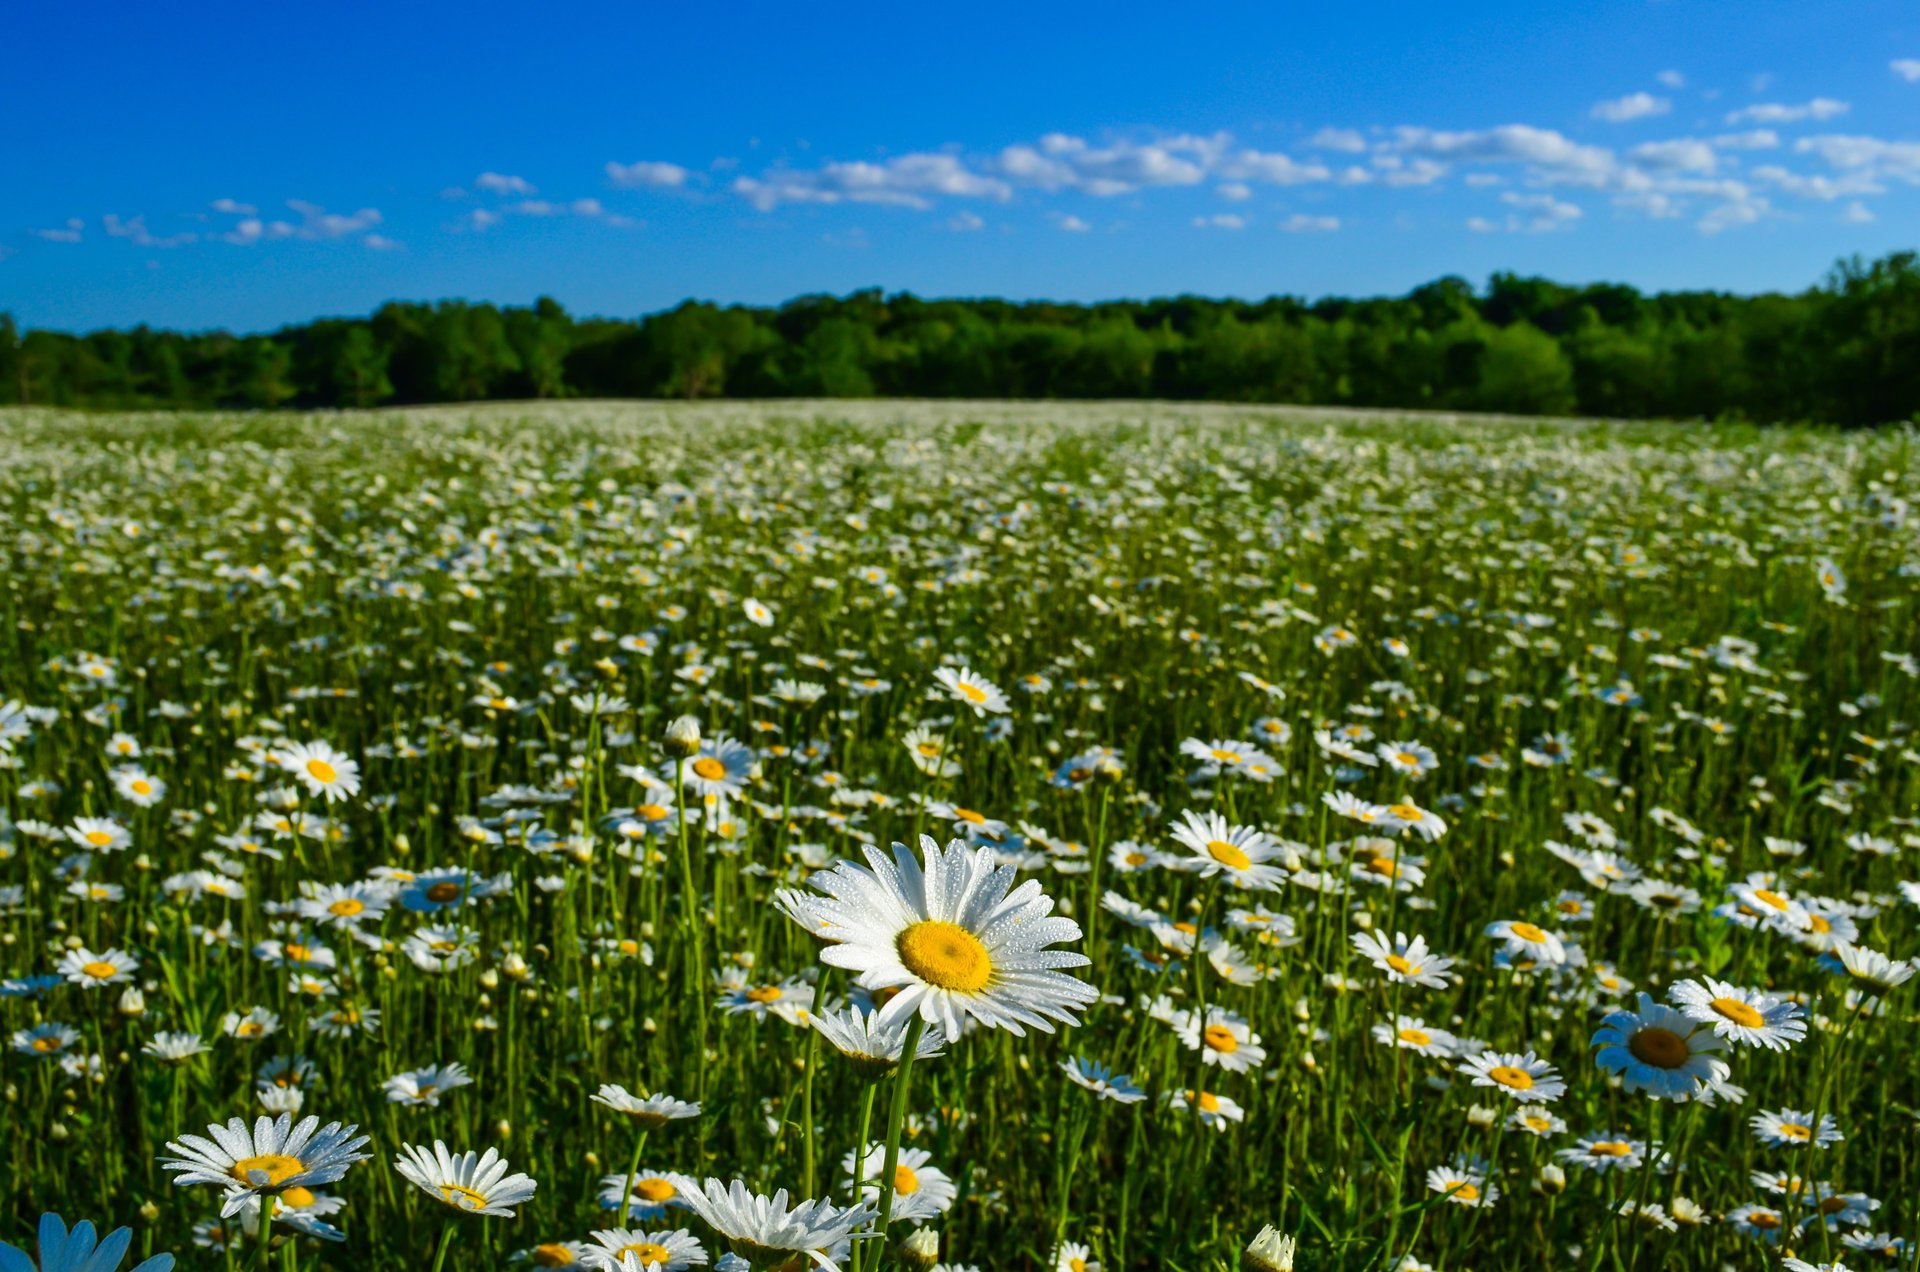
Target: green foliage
<point>1846,352</point>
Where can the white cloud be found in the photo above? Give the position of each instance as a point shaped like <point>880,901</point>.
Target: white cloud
<point>68,233</point>
<point>1857,214</point>
<point>498,183</point>
<point>1480,225</point>
<point>1729,215</point>
<point>1481,180</point>
<point>1548,213</point>
<point>912,180</point>
<point>135,230</point>
<point>1346,139</point>
<point>1234,190</point>
<point>233,207</point>
<point>1542,148</point>
<point>1683,154</point>
<point>1755,139</point>
<point>1899,160</point>
<point>1780,113</point>
<point>1671,79</point>
<point>1061,162</point>
<point>647,176</point>
<point>1826,189</point>
<point>1072,224</point>
<point>1907,68</point>
<point>315,224</point>
<point>1301,223</point>
<point>1220,221</point>
<point>380,243</point>
<point>966,222</point>
<point>1633,106</point>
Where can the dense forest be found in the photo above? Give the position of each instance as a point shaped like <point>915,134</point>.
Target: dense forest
<point>1845,351</point>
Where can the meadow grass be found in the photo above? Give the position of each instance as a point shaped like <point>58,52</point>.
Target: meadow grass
<point>1638,698</point>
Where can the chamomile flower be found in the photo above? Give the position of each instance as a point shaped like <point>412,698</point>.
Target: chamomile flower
<point>1744,1016</point>
<point>1462,1186</point>
<point>78,1250</point>
<point>1236,853</point>
<point>1521,940</point>
<point>669,1250</point>
<point>1792,1128</point>
<point>275,1155</point>
<point>1410,1033</point>
<point>874,1047</point>
<point>912,1178</point>
<point>1526,1078</point>
<point>1605,1152</point>
<point>1102,1081</point>
<point>768,1229</point>
<point>1870,969</point>
<point>426,1086</point>
<point>98,834</point>
<point>976,691</point>
<point>1402,960</point>
<point>321,769</point>
<point>88,970</point>
<point>955,937</point>
<point>649,1112</point>
<point>1659,1050</point>
<point>1224,1039</point>
<point>471,1183</point>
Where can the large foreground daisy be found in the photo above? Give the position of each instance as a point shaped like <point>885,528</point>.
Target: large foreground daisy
<point>953,939</point>
<point>273,1156</point>
<point>1660,1050</point>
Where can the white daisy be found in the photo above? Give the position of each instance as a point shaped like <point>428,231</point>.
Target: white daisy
<point>472,1183</point>
<point>272,1157</point>
<point>1741,1015</point>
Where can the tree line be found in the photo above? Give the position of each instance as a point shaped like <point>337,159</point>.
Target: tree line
<point>1845,351</point>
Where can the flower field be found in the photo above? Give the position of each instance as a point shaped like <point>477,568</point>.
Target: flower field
<point>994,836</point>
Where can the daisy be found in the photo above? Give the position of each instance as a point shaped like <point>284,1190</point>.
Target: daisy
<point>77,1251</point>
<point>766,1229</point>
<point>975,691</point>
<point>1602,1153</point>
<point>1659,1050</point>
<point>1238,853</point>
<point>1741,1015</point>
<point>912,1177</point>
<point>91,971</point>
<point>1410,758</point>
<point>1410,1033</point>
<point>653,1194</point>
<point>1100,1080</point>
<point>1345,804</point>
<point>1225,1039</point>
<point>1535,1121</point>
<point>44,1041</point>
<point>1073,1257</point>
<point>98,834</point>
<point>1870,968</point>
<point>1402,960</point>
<point>1463,1187</point>
<point>1790,1128</point>
<point>874,1047</point>
<point>790,1000</point>
<point>472,1183</point>
<point>1214,1110</point>
<point>1526,1078</point>
<point>953,938</point>
<point>425,1086</point>
<point>137,786</point>
<point>1525,941</point>
<point>272,1157</point>
<point>757,614</point>
<point>323,770</point>
<point>649,1112</point>
<point>928,751</point>
<point>1409,816</point>
<point>668,1250</point>
<point>344,905</point>
<point>1762,1223</point>
<point>1771,908</point>
<point>721,767</point>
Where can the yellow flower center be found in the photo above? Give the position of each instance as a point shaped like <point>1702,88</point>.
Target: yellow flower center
<point>709,769</point>
<point>1738,1012</point>
<point>1406,812</point>
<point>1508,1076</point>
<point>1226,757</point>
<point>968,815</point>
<point>1610,1148</point>
<point>945,955</point>
<point>1077,1265</point>
<point>296,1198</point>
<point>1793,1130</point>
<point>1417,1037</point>
<point>100,969</point>
<point>464,1198</point>
<point>654,1190</point>
<point>651,812</point>
<point>99,838</point>
<point>1228,855</point>
<point>1770,898</point>
<point>905,1182</point>
<point>444,891</point>
<point>277,1167</point>
<point>1764,1219</point>
<point>140,787</point>
<point>347,907</point>
<point>1401,965</point>
<point>1383,866</point>
<point>1661,1048</point>
<point>1220,1038</point>
<point>552,1255</point>
<point>1208,1102</point>
<point>972,693</point>
<point>46,1046</point>
<point>1820,924</point>
<point>321,771</point>
<point>1528,932</point>
<point>928,749</point>
<point>648,1252</point>
<point>764,994</point>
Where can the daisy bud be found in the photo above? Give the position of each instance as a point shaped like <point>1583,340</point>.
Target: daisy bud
<point>683,737</point>
<point>515,966</point>
<point>921,1249</point>
<point>57,1132</point>
<point>1269,1252</point>
<point>149,1211</point>
<point>1552,1179</point>
<point>505,1128</point>
<point>1480,1115</point>
<point>133,1002</point>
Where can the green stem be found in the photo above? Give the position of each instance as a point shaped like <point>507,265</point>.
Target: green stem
<point>446,1239</point>
<point>896,1117</point>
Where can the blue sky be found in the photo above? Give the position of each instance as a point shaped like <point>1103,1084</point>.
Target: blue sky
<point>246,166</point>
